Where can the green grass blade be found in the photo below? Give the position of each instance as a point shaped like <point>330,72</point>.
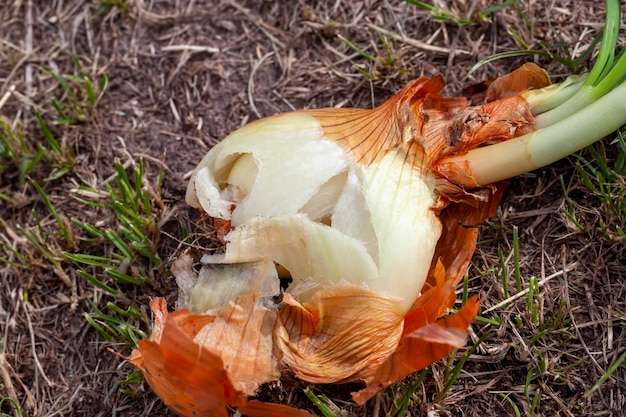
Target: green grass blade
<point>143,250</point>
<point>401,405</point>
<point>92,260</point>
<point>92,230</point>
<point>454,374</point>
<point>508,399</point>
<point>514,54</point>
<point>496,8</point>
<point>114,238</point>
<point>59,79</point>
<point>52,142</point>
<point>582,58</point>
<point>123,278</point>
<point>14,404</point>
<point>8,141</point>
<point>518,276</point>
<point>29,164</point>
<point>105,335</point>
<point>65,233</point>
<point>606,375</point>
<point>357,49</point>
<point>130,313</point>
<point>503,274</point>
<point>96,282</point>
<point>320,402</point>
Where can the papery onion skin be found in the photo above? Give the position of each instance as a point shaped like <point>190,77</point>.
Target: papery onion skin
<point>341,335</point>
<point>190,378</point>
<point>527,77</point>
<point>168,352</point>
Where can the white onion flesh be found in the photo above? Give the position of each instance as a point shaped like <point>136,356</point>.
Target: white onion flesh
<point>324,217</point>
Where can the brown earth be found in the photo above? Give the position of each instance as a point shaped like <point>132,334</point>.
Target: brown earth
<point>183,74</point>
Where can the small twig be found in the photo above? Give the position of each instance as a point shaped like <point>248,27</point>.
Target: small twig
<point>413,42</point>
<point>6,378</point>
<point>153,159</point>
<point>525,291</point>
<point>548,390</point>
<point>174,110</point>
<point>263,27</point>
<point>15,238</point>
<point>251,82</point>
<point>6,96</point>
<point>190,48</point>
<point>67,404</point>
<point>532,213</point>
<point>26,100</point>
<point>88,29</point>
<point>17,66</point>
<point>188,174</point>
<point>32,345</point>
<point>28,45</point>
<point>582,340</point>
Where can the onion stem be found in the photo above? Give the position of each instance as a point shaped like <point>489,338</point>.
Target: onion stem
<point>494,163</point>
<point>604,75</point>
<point>607,47</point>
<point>547,98</point>
<point>569,117</point>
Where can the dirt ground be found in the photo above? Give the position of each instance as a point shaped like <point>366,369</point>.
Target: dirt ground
<point>185,73</point>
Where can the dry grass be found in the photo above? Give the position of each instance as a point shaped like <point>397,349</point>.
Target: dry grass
<point>182,75</point>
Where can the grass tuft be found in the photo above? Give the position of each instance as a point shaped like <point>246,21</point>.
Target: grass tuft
<point>380,62</point>
<point>81,94</point>
<point>27,159</point>
<point>132,237</point>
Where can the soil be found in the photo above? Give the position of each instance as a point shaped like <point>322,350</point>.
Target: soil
<point>184,74</point>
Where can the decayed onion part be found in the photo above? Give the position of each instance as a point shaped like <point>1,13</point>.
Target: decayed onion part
<point>373,233</point>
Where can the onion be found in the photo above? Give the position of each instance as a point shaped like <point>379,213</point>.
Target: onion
<point>348,202</point>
